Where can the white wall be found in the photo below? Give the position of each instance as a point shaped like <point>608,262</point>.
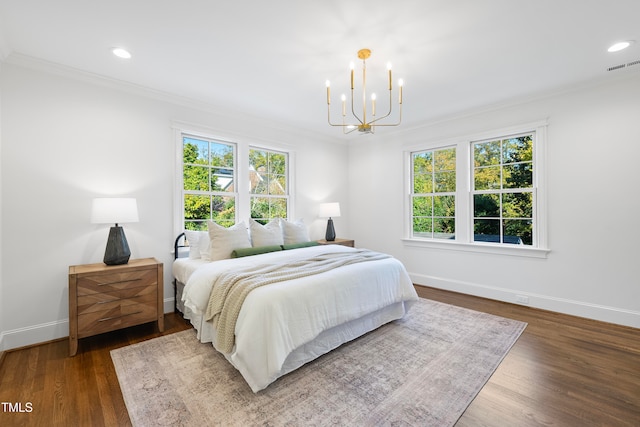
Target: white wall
<point>67,138</point>
<point>2,311</point>
<point>593,149</point>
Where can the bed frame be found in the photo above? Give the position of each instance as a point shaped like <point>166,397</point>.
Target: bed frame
<point>176,255</point>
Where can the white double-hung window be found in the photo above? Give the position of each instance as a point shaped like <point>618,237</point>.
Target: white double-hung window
<point>269,184</point>
<point>433,196</point>
<point>208,182</point>
<point>503,191</point>
<point>227,182</point>
<point>482,193</point>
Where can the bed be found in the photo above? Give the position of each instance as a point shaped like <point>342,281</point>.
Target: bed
<point>286,323</point>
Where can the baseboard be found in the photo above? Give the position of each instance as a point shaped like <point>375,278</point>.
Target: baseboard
<point>45,332</point>
<point>35,334</point>
<point>561,305</point>
<point>50,331</point>
<point>169,305</point>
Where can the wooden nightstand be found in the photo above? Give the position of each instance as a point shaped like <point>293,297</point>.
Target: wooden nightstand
<point>343,242</point>
<point>104,298</point>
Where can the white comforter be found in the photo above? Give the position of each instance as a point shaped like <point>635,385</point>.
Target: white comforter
<point>279,318</point>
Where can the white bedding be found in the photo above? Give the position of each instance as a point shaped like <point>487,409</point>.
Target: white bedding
<point>284,325</point>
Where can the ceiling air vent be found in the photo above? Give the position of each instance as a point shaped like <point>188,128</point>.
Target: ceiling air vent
<point>621,66</point>
<point>616,67</point>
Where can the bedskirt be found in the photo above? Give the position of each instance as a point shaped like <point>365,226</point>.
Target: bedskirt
<point>328,340</point>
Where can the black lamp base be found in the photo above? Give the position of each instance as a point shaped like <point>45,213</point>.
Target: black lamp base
<point>330,235</point>
<point>117,251</point>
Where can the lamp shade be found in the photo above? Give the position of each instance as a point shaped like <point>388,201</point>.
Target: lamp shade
<point>114,210</point>
<point>329,210</point>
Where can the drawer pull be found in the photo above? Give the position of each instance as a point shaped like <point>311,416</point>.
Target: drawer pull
<point>116,317</point>
<point>119,281</point>
<point>118,299</point>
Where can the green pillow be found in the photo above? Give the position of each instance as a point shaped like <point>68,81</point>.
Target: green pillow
<point>238,253</point>
<point>300,245</point>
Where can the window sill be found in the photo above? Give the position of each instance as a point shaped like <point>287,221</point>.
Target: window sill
<point>486,248</point>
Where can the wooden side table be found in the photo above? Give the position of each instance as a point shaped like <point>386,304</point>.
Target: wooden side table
<point>104,298</point>
<point>343,242</point>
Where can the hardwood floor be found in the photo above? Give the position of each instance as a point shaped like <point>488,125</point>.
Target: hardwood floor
<point>72,391</point>
<point>563,371</point>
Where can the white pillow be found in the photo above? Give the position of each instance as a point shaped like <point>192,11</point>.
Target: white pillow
<point>204,245</point>
<point>198,244</point>
<point>193,238</point>
<point>269,234</point>
<point>226,240</point>
<point>294,232</point>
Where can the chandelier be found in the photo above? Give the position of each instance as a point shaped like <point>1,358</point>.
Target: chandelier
<point>363,123</point>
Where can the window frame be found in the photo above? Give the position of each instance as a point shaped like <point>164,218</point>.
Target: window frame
<point>432,194</point>
<point>242,192</point>
<point>464,194</point>
<point>211,193</point>
<point>287,179</point>
<point>503,190</point>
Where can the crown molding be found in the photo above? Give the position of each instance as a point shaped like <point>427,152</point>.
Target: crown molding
<point>48,67</point>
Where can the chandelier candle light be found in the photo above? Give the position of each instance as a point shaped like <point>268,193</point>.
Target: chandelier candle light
<point>363,125</point>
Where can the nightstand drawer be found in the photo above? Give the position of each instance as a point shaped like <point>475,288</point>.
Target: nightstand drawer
<point>118,317</point>
<point>100,283</point>
<point>108,300</point>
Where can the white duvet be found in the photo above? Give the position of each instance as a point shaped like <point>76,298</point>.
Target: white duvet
<point>280,318</point>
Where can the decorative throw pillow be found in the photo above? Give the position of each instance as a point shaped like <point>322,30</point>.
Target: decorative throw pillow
<point>198,244</point>
<point>265,235</point>
<point>299,245</point>
<point>193,238</point>
<point>239,253</point>
<point>294,232</point>
<point>203,245</point>
<point>226,240</point>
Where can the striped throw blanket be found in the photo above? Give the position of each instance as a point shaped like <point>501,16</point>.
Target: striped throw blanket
<point>230,289</point>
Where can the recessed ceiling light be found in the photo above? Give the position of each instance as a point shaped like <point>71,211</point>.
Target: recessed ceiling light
<point>121,53</point>
<point>619,46</point>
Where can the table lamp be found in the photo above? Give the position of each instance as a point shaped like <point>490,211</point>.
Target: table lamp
<point>329,210</point>
<point>114,210</point>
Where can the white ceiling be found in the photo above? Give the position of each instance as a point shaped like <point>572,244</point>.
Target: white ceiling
<point>270,59</point>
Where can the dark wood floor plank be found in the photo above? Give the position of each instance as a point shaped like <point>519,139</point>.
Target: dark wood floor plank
<point>562,371</point>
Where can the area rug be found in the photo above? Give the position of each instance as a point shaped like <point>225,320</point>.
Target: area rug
<point>423,370</point>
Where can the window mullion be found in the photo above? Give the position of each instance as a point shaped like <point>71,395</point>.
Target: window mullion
<point>243,188</point>
<point>464,196</point>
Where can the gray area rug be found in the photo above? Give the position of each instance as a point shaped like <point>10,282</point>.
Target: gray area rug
<point>423,370</point>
